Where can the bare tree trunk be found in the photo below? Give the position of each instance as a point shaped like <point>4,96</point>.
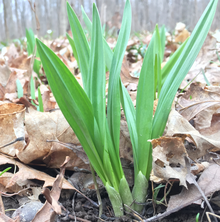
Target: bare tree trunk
<point>5,19</point>
<point>17,19</point>
<point>62,16</point>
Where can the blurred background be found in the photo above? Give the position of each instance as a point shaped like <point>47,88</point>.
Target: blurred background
<point>17,15</point>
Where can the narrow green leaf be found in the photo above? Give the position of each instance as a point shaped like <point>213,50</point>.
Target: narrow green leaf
<point>107,50</point>
<point>139,191</point>
<point>130,114</point>
<point>97,72</point>
<point>32,86</point>
<point>81,43</point>
<point>115,200</point>
<point>71,41</point>
<point>125,193</point>
<point>181,68</point>
<point>40,101</point>
<point>30,41</point>
<point>144,110</point>
<point>5,170</point>
<point>87,21</point>
<point>73,102</point>
<point>163,40</point>
<point>172,61</point>
<point>113,106</point>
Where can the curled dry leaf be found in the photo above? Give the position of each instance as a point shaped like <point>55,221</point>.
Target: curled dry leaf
<point>199,101</point>
<point>22,178</point>
<point>169,159</point>
<point>178,125</point>
<point>51,206</point>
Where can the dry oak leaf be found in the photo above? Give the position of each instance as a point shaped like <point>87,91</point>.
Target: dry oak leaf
<point>169,159</point>
<point>41,127</point>
<point>22,178</point>
<point>12,127</point>
<point>209,182</point>
<point>51,206</point>
<point>178,125</point>
<point>199,100</point>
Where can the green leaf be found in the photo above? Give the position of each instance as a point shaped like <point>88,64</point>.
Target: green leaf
<point>73,102</point>
<point>81,44</point>
<point>130,114</point>
<point>40,101</point>
<point>36,67</point>
<point>172,61</point>
<point>163,40</point>
<point>144,110</point>
<point>107,50</point>
<point>125,193</point>
<point>87,21</point>
<point>71,41</point>
<point>5,170</point>
<point>139,191</point>
<point>30,41</point>
<point>32,86</point>
<point>181,68</point>
<point>113,106</point>
<point>115,200</point>
<point>96,91</point>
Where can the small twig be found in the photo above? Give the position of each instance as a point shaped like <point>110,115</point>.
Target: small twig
<point>213,214</point>
<point>14,141</point>
<point>36,18</point>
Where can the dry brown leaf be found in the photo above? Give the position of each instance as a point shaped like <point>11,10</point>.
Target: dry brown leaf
<point>42,126</point>
<point>197,99</point>
<point>21,62</point>
<point>178,125</point>
<point>4,74</point>
<point>59,152</point>
<point>125,73</point>
<point>22,178</point>
<point>182,36</point>
<point>47,103</point>
<point>169,159</point>
<point>209,182</point>
<point>51,206</point>
<point>12,53</point>
<point>206,55</point>
<point>5,218</point>
<point>12,127</point>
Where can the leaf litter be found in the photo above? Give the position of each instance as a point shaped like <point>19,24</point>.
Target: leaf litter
<point>190,145</point>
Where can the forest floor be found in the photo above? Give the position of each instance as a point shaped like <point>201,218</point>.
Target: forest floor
<point>40,157</point>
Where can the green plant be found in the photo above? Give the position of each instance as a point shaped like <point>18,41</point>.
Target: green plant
<point>31,41</point>
<point>197,217</point>
<point>5,170</point>
<point>86,110</point>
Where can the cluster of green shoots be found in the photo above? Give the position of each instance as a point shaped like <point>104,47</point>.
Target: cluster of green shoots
<point>31,49</point>
<point>85,108</point>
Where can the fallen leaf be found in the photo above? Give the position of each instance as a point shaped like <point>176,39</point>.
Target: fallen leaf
<point>22,178</point>
<point>169,159</point>
<point>51,206</point>
<point>12,127</point>
<point>178,125</point>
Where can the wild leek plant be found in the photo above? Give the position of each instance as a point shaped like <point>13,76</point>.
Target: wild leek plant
<point>143,125</point>
<point>85,110</point>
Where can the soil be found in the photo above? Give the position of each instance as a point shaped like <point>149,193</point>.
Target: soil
<point>78,208</point>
